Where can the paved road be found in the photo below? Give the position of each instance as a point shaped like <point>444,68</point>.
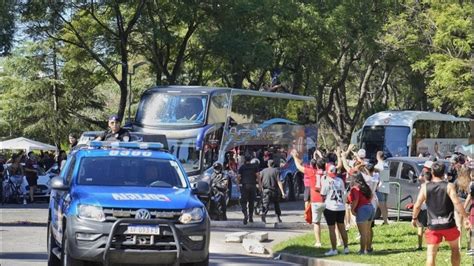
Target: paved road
<point>26,245</point>
<point>23,238</point>
<point>23,235</point>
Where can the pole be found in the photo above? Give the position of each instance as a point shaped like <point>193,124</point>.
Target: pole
<point>130,97</point>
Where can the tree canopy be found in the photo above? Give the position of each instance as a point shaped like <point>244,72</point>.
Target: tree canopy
<point>75,59</point>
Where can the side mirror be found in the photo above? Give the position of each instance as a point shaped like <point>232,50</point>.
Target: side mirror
<point>58,183</point>
<point>201,188</point>
<point>411,175</point>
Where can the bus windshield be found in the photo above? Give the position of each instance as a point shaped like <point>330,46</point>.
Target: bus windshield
<point>165,109</point>
<point>392,140</point>
<point>186,152</point>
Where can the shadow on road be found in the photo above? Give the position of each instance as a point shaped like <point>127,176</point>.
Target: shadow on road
<point>24,256</point>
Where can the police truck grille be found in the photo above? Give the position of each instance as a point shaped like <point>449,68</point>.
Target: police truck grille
<point>112,214</point>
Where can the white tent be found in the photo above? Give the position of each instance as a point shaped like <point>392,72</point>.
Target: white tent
<point>25,144</point>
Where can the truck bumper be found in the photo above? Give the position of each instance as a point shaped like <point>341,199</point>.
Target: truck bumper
<point>108,242</point>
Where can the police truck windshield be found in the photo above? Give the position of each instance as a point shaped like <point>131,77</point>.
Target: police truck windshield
<point>167,109</point>
<point>127,171</point>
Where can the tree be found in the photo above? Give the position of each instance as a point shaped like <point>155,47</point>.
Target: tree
<point>102,32</point>
<point>435,42</point>
<point>27,105</point>
<point>7,25</point>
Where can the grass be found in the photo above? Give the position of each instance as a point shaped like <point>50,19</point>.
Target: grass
<point>394,244</point>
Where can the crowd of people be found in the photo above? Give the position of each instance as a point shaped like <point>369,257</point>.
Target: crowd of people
<point>28,163</point>
<point>346,188</point>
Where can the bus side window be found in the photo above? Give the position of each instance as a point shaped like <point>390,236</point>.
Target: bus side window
<point>393,169</point>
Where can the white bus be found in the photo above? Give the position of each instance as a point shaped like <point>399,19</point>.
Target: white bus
<point>411,133</point>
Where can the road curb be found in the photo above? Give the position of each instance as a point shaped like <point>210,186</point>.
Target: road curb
<point>239,224</point>
<point>23,223</point>
<point>310,261</point>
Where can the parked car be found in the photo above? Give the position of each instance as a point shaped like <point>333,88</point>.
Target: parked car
<point>43,189</point>
<point>405,171</point>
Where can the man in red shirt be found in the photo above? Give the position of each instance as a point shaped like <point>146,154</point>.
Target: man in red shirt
<point>315,174</point>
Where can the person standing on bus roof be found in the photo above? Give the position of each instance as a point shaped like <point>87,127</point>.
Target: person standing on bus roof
<point>248,178</point>
<point>115,131</point>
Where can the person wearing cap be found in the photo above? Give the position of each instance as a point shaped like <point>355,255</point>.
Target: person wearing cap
<point>333,192</point>
<point>441,202</point>
<point>115,131</point>
<point>248,178</point>
<point>272,190</point>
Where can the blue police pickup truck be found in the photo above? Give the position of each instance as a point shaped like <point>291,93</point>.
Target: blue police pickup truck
<point>127,203</point>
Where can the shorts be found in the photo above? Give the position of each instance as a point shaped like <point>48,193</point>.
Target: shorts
<point>32,181</point>
<point>382,197</point>
<point>317,209</point>
<point>423,218</point>
<point>436,236</point>
<point>365,213</point>
<point>307,194</point>
<point>333,217</point>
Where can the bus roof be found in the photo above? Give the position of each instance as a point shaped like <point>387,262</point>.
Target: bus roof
<point>407,118</point>
<point>211,90</point>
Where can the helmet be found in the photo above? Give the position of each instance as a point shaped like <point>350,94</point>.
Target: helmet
<point>217,166</point>
<point>255,161</point>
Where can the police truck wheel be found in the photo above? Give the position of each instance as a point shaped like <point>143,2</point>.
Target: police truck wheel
<point>51,244</point>
<point>66,259</point>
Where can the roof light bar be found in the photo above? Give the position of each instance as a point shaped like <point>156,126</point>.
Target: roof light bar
<point>127,145</point>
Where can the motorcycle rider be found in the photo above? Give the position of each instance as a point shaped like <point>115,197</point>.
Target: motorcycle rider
<point>219,190</point>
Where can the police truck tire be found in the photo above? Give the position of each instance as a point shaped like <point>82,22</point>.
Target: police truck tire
<point>65,258</point>
<point>51,244</point>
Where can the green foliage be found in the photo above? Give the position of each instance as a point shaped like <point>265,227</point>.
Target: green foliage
<point>354,57</point>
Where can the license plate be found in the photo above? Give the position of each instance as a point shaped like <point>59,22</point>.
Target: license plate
<point>143,229</point>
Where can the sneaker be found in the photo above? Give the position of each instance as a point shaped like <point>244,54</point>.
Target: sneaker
<point>245,221</point>
<point>279,219</point>
<point>346,250</point>
<point>361,252</point>
<point>332,252</point>
<point>318,245</point>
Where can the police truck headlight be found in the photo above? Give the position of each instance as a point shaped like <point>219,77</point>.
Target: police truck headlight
<point>189,216</point>
<point>91,212</point>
